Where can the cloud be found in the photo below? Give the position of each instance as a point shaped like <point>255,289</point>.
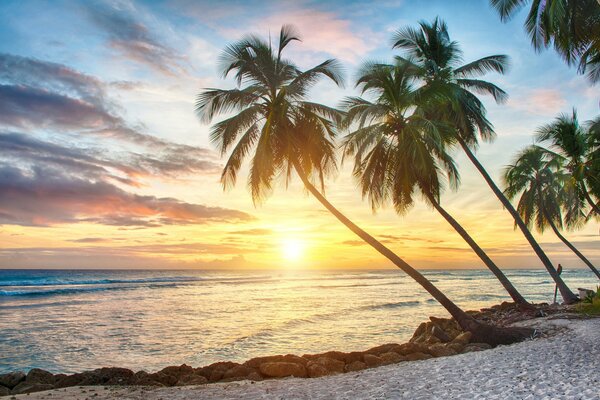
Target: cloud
<point>47,197</point>
<point>133,40</point>
<point>539,101</point>
<point>321,31</point>
<point>253,232</point>
<point>68,102</point>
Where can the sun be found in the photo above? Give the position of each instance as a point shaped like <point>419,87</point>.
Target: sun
<point>292,249</point>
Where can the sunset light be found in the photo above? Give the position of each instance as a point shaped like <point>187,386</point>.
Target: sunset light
<point>292,249</point>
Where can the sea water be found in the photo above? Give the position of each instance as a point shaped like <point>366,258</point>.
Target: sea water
<point>71,321</point>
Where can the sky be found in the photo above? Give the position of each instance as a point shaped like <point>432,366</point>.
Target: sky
<point>103,163</point>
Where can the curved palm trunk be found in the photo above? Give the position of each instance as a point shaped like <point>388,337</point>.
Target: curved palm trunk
<point>481,332</point>
<point>570,246</point>
<point>566,293</point>
<point>591,201</point>
<point>508,286</point>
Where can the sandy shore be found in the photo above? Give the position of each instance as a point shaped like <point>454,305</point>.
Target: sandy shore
<point>561,366</point>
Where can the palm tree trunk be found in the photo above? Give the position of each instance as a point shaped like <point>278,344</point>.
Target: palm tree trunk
<point>570,245</point>
<point>591,201</point>
<point>481,332</point>
<point>566,293</point>
<point>512,291</point>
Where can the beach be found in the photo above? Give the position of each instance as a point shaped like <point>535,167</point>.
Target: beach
<point>561,365</point>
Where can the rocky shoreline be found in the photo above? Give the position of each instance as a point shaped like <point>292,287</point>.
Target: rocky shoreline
<point>439,337</point>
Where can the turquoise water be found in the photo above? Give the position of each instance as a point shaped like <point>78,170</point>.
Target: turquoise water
<point>69,321</point>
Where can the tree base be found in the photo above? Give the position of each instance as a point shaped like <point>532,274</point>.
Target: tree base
<point>496,335</point>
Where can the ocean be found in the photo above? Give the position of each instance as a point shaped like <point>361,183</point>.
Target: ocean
<point>69,321</point>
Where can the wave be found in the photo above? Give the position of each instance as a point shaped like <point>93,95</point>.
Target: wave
<point>73,290</point>
<point>387,306</point>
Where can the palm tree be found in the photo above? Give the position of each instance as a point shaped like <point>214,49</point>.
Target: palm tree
<point>594,158</point>
<point>571,26</point>
<point>436,60</point>
<point>574,142</point>
<point>283,133</point>
<point>399,151</point>
<point>539,176</point>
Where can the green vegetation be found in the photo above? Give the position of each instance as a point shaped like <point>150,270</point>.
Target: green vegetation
<point>591,304</point>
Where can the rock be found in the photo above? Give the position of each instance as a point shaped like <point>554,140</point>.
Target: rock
<point>178,371</point>
<point>282,369</point>
<point>289,358</point>
<point>409,348</point>
<point>254,376</point>
<point>215,372</point>
<point>26,387</point>
<point>191,379</point>
<point>142,378</point>
<point>37,375</point>
<point>163,379</point>
<point>391,358</point>
<point>475,347</point>
<point>440,350</point>
<point>316,370</point>
<point>4,391</point>
<point>355,366</point>
<point>384,348</point>
<point>338,355</point>
<point>440,334</point>
<point>419,331</point>
<point>239,371</point>
<point>332,365</point>
<point>12,379</point>
<point>457,347</point>
<point>418,356</point>
<point>463,338</point>
<point>372,361</point>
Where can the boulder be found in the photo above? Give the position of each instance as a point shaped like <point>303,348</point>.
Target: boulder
<point>440,334</point>
<point>191,379</point>
<point>289,358</point>
<point>178,371</point>
<point>372,361</point>
<point>316,370</point>
<point>332,365</point>
<point>37,375</point>
<point>282,369</point>
<point>215,372</point>
<point>384,348</point>
<point>440,350</point>
<point>355,366</point>
<point>143,378</point>
<point>475,347</point>
<point>457,347</point>
<point>418,356</point>
<point>12,379</point>
<point>4,391</point>
<point>338,355</point>
<point>463,338</point>
<point>163,379</point>
<point>26,387</point>
<point>409,348</point>
<point>391,358</point>
<point>239,371</point>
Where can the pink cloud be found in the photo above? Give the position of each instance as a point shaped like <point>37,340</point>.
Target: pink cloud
<point>539,101</point>
<point>321,32</point>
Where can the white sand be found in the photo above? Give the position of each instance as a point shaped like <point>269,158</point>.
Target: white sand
<point>563,366</point>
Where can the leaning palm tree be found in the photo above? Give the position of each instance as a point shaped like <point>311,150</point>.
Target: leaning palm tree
<point>539,176</point>
<point>282,132</point>
<point>400,152</point>
<point>573,141</point>
<point>571,26</point>
<point>594,157</point>
<point>436,60</point>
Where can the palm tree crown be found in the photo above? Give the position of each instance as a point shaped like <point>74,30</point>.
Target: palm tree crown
<point>538,175</point>
<point>572,27</point>
<point>576,143</point>
<point>274,119</point>
<point>397,148</point>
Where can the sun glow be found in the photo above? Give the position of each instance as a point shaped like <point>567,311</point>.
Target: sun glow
<point>292,249</point>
